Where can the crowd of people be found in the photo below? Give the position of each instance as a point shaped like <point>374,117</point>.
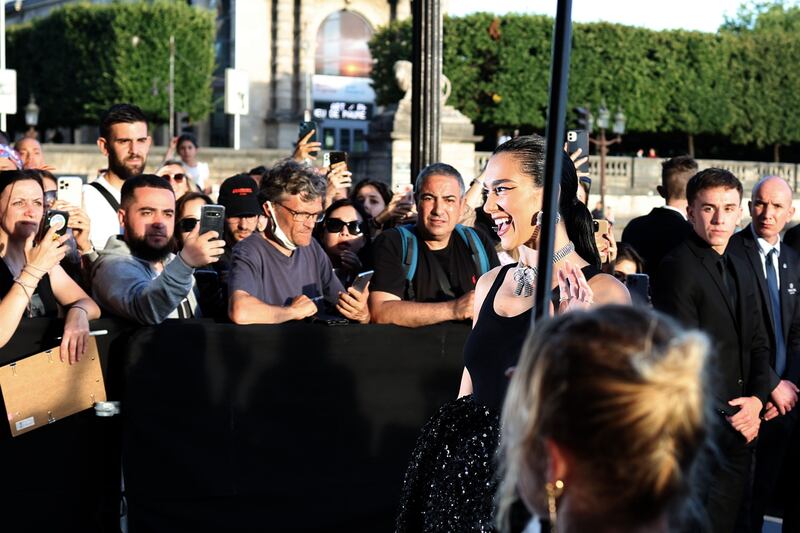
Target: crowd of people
<point>616,416</point>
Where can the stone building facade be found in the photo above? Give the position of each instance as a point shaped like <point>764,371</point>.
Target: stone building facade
<point>296,53</point>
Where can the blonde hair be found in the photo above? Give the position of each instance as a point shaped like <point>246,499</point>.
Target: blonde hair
<point>621,389</point>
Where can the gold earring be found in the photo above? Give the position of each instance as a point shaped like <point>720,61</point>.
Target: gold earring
<point>554,490</point>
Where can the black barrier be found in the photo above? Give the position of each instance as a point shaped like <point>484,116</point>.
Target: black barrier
<point>246,428</point>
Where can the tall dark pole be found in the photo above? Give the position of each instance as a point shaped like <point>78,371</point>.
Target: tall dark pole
<point>426,84</point>
<point>556,111</point>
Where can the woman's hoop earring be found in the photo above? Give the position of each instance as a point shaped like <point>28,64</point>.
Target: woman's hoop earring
<point>554,490</point>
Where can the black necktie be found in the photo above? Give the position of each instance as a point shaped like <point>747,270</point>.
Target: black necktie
<point>723,268</point>
<point>775,302</point>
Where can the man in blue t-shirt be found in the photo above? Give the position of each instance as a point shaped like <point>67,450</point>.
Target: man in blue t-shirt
<point>282,274</point>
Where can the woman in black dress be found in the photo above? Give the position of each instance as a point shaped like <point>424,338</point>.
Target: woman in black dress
<point>32,283</point>
<point>451,481</point>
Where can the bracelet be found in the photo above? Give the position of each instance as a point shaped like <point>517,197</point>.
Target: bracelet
<point>81,308</point>
<point>36,268</point>
<point>25,288</point>
<point>31,274</point>
<point>88,252</point>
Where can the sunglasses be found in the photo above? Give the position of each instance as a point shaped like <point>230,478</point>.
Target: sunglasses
<point>335,225</point>
<point>175,177</point>
<point>187,224</point>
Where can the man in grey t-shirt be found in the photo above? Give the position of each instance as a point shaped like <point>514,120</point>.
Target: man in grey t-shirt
<point>282,274</point>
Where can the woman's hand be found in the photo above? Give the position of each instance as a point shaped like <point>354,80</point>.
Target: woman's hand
<point>302,151</point>
<point>575,291</point>
<point>76,334</point>
<point>47,253</point>
<point>577,160</point>
<point>353,305</point>
<point>350,261</point>
<point>79,223</point>
<point>338,176</point>
<point>400,207</point>
<point>607,247</point>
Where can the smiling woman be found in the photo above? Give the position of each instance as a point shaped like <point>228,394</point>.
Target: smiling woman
<point>32,284</point>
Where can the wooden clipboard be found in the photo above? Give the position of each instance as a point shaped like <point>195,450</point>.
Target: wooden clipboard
<point>40,389</point>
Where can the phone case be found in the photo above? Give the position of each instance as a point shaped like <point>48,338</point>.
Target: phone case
<point>212,218</point>
<point>70,190</point>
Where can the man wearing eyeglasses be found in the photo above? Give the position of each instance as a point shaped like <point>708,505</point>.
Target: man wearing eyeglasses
<point>282,274</point>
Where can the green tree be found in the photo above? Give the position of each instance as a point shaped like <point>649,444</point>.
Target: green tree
<point>82,58</point>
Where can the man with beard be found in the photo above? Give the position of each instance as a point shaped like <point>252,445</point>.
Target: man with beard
<point>136,276</point>
<point>125,142</point>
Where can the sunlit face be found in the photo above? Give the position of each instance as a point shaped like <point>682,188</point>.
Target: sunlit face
<point>371,199</point>
<point>30,151</point>
<point>714,214</point>
<point>177,177</point>
<point>771,208</point>
<point>298,231</point>
<point>127,147</point>
<point>337,242</point>
<point>150,217</point>
<point>439,204</point>
<point>512,200</point>
<point>238,228</point>
<point>188,152</point>
<point>190,211</point>
<point>21,209</point>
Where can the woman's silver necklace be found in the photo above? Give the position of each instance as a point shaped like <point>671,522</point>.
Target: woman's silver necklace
<point>525,276</point>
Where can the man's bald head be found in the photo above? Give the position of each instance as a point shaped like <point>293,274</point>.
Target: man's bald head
<point>771,207</point>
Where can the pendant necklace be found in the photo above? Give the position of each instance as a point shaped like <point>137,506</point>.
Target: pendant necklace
<point>525,276</point>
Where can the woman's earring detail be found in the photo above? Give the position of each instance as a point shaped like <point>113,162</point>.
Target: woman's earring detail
<point>540,214</point>
<point>554,490</point>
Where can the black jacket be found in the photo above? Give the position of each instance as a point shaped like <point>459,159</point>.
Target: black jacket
<point>744,245</point>
<point>690,288</point>
<point>655,234</point>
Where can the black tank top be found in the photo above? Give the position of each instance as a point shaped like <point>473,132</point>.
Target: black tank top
<point>495,342</point>
<point>43,301</point>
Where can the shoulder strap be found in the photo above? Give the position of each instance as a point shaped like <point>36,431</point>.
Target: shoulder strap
<point>410,257</point>
<point>471,239</point>
<point>107,195</point>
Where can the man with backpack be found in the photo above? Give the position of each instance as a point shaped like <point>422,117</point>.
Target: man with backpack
<point>426,273</point>
<point>125,142</point>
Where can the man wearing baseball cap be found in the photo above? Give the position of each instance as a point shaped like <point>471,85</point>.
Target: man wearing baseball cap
<point>239,195</point>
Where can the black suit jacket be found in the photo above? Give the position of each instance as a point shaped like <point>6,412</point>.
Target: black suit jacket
<point>690,288</point>
<point>656,234</point>
<point>744,245</point>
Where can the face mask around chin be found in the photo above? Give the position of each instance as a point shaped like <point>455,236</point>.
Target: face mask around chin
<point>278,233</point>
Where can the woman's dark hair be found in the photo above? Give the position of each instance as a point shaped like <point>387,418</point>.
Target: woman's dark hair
<point>529,152</point>
<point>626,252</point>
<point>188,197</point>
<point>381,187</point>
<point>7,177</point>
<point>344,202</point>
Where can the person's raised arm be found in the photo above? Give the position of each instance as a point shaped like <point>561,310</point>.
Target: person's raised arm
<point>80,309</point>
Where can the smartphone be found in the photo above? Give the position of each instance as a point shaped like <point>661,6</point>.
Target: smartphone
<point>601,227</point>
<point>56,219</point>
<point>305,127</point>
<point>337,157</point>
<point>212,218</point>
<point>579,139</point>
<point>361,280</point>
<point>70,190</point>
<point>406,189</point>
<point>639,287</point>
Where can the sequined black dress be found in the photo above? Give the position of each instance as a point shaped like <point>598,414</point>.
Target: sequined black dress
<point>451,480</point>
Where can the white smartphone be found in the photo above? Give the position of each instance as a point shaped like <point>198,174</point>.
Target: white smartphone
<point>70,190</point>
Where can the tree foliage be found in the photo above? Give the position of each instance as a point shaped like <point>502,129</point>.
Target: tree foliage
<point>82,58</point>
<point>740,82</point>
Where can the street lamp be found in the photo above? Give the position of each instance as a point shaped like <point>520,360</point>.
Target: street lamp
<point>31,117</point>
<point>603,122</point>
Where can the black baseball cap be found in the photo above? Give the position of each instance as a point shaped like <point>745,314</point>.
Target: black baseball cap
<point>239,195</point>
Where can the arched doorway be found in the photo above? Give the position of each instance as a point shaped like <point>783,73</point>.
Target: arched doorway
<point>343,96</point>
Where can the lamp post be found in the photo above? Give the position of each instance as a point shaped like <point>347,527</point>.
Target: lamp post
<point>603,119</point>
<point>31,117</point>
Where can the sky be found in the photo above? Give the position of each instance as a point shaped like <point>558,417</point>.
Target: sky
<point>701,15</point>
